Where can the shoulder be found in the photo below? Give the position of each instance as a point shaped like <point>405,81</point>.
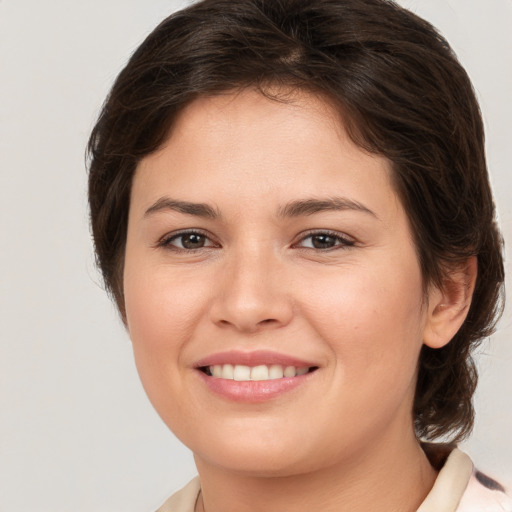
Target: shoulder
<point>184,500</point>
<point>460,487</point>
<point>483,494</point>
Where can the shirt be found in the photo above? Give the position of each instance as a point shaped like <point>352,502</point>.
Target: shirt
<point>459,487</point>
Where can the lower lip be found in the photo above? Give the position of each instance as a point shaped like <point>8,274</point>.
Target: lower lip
<point>253,391</point>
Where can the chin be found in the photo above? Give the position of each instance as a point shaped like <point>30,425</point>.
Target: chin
<point>256,462</point>
<point>260,454</point>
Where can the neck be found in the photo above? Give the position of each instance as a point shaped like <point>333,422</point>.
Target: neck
<point>388,476</point>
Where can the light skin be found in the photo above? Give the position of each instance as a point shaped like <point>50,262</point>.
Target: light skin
<point>295,243</point>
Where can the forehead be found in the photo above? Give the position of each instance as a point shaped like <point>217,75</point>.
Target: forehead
<point>272,108</point>
<point>248,146</point>
<point>246,105</point>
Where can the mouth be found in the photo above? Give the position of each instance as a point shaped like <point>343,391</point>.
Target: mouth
<point>262,372</point>
<point>254,377</point>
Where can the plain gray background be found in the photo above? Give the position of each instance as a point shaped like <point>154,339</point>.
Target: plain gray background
<point>76,431</point>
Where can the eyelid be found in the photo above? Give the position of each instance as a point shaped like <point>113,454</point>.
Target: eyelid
<point>346,240</point>
<point>165,241</point>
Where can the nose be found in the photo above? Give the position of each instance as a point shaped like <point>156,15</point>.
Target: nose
<point>252,293</point>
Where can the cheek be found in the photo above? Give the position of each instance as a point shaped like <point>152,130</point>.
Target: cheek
<point>160,306</point>
<point>161,312</point>
<point>159,320</point>
<point>372,317</point>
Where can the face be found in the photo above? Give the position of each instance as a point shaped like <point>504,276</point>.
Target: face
<point>273,293</point>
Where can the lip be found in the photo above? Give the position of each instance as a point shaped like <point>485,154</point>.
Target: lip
<point>253,358</point>
<point>252,391</point>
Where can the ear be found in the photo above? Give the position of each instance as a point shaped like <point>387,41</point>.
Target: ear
<point>448,306</point>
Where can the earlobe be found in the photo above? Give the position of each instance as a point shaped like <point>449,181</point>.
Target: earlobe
<point>448,306</point>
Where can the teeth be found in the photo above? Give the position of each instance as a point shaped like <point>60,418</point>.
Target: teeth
<point>241,372</point>
<point>227,371</point>
<point>259,373</point>
<point>290,371</point>
<point>275,372</point>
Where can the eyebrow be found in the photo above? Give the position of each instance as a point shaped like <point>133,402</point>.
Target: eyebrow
<point>298,208</point>
<point>303,207</point>
<point>196,209</point>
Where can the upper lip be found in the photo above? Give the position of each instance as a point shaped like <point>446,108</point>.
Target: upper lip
<point>253,358</point>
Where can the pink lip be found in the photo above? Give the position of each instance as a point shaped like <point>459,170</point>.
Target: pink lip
<point>252,391</point>
<point>254,358</point>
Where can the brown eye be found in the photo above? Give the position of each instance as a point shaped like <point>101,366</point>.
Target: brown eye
<point>325,241</point>
<point>192,241</point>
<point>187,241</point>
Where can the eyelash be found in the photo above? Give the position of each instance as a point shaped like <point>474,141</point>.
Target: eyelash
<point>342,242</point>
<point>166,240</point>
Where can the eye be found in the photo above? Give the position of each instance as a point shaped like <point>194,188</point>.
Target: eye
<point>325,240</point>
<point>187,241</point>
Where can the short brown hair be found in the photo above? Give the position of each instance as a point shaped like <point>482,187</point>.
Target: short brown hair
<point>402,94</point>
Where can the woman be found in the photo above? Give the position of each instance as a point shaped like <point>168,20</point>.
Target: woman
<point>290,205</point>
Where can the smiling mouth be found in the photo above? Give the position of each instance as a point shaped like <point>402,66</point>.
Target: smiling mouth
<point>261,372</point>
